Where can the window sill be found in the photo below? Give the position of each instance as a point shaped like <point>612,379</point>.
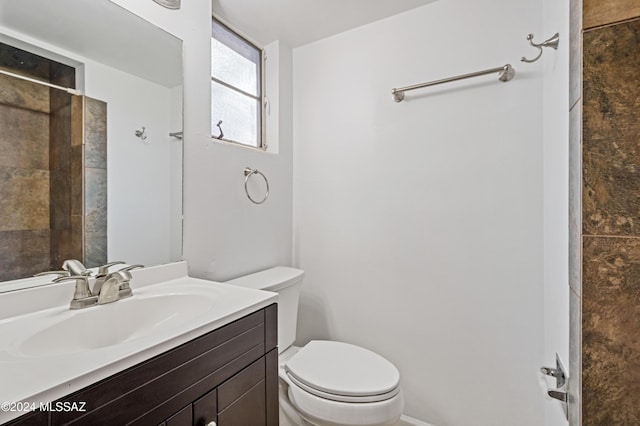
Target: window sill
<point>241,145</point>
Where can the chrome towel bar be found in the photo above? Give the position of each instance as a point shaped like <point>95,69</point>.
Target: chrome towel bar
<point>506,73</point>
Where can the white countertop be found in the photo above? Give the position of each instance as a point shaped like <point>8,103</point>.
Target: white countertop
<point>33,377</point>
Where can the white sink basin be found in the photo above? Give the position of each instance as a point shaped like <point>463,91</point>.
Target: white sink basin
<point>51,351</point>
<point>113,323</point>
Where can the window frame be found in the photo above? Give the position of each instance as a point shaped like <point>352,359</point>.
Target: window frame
<point>260,98</point>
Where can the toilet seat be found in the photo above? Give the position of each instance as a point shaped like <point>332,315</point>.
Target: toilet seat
<point>342,372</point>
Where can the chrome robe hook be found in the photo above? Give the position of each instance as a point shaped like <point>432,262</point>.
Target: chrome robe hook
<point>552,42</point>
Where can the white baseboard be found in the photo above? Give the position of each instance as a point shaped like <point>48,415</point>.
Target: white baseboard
<point>410,421</point>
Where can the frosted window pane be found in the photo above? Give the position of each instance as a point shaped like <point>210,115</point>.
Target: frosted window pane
<point>239,115</point>
<point>233,68</point>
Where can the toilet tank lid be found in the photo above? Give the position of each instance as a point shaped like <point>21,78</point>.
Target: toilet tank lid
<point>272,279</point>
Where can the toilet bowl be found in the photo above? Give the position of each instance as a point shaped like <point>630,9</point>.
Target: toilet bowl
<point>326,383</point>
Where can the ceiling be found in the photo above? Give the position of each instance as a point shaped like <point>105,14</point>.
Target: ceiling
<point>298,22</point>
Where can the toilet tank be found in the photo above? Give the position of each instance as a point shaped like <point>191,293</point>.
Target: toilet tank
<point>286,282</point>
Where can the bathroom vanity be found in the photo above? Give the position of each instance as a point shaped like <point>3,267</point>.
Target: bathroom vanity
<point>223,371</point>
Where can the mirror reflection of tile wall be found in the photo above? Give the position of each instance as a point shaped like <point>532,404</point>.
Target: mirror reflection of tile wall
<point>43,169</point>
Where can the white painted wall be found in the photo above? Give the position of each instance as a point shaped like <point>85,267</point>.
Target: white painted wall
<point>420,224</point>
<point>139,179</point>
<point>225,235</point>
<point>555,103</point>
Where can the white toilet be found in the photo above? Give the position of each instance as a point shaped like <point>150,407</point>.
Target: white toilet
<point>325,382</point>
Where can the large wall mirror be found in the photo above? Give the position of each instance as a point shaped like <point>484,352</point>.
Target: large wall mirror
<point>125,148</point>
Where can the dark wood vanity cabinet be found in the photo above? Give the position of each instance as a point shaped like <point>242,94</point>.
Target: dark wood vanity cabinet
<point>228,376</point>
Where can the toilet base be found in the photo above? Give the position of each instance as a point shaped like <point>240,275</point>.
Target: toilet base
<point>290,416</point>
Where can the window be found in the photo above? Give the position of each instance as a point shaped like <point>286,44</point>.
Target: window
<point>236,88</point>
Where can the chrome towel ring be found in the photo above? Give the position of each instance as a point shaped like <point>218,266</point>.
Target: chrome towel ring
<point>248,172</point>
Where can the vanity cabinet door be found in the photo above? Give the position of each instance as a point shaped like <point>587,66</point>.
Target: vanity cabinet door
<point>248,410</point>
<point>242,399</point>
<point>205,409</point>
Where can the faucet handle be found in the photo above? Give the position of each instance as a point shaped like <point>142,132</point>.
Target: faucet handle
<point>121,276</point>
<point>110,291</point>
<point>82,296</point>
<point>125,288</point>
<point>129,268</point>
<point>75,267</point>
<point>59,273</point>
<point>104,269</point>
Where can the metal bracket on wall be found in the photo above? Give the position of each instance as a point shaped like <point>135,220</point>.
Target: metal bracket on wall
<point>560,392</point>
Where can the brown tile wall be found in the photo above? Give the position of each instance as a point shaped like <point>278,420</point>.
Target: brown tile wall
<point>603,12</point>
<point>95,182</point>
<point>611,331</point>
<point>35,185</point>
<point>64,243</point>
<point>607,303</point>
<point>24,167</point>
<point>23,253</point>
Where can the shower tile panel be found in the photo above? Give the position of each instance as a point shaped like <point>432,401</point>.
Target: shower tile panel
<point>95,133</point>
<point>62,75</point>
<point>24,204</point>
<point>24,63</point>
<point>77,107</point>
<point>59,141</point>
<point>575,51</point>
<point>66,243</point>
<point>95,201</point>
<point>23,94</point>
<point>95,250</point>
<point>602,12</point>
<point>575,357</point>
<point>77,180</point>
<point>95,219</point>
<point>24,139</point>
<point>610,331</point>
<point>575,201</point>
<point>59,99</point>
<point>95,181</point>
<point>60,199</point>
<point>611,153</point>
<point>23,253</point>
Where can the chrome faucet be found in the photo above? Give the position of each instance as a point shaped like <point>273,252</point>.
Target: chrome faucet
<point>75,267</point>
<point>107,287</point>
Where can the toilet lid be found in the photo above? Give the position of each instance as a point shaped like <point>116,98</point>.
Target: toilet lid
<point>343,370</point>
